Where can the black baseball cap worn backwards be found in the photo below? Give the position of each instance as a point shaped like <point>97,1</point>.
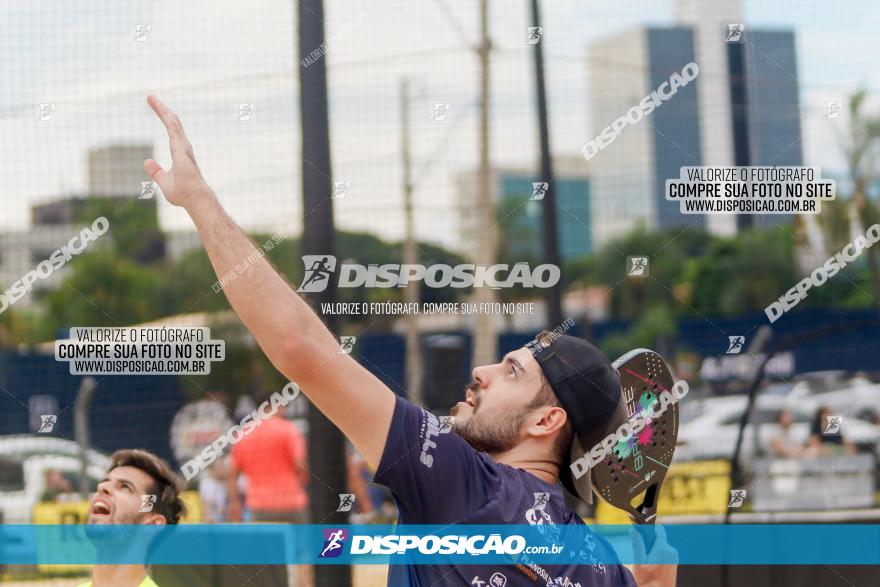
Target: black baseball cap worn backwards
<point>588,388</point>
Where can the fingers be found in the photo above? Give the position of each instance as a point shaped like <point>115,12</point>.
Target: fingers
<point>660,534</point>
<point>639,552</point>
<point>669,553</point>
<point>154,170</point>
<point>169,119</point>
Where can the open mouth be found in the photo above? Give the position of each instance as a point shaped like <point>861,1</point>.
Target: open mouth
<point>100,508</point>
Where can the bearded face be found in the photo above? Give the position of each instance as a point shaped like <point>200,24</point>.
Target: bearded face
<point>485,428</point>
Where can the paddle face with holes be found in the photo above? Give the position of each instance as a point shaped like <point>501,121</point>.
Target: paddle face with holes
<point>637,466</point>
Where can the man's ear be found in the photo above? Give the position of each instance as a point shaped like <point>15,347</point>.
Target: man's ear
<point>155,519</point>
<point>549,420</point>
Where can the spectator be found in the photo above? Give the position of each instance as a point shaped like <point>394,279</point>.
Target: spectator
<point>57,485</point>
<point>273,457</point>
<point>784,446</point>
<point>212,492</point>
<point>359,478</point>
<point>378,505</point>
<point>826,435</point>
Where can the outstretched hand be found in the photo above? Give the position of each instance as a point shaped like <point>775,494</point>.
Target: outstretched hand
<point>183,183</point>
<point>657,568</point>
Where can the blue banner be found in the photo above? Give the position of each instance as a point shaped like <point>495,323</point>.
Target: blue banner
<point>248,544</point>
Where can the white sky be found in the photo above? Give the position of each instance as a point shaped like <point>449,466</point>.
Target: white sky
<point>203,58</point>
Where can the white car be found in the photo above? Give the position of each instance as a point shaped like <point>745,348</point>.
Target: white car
<point>709,427</point>
<point>856,398</point>
<point>24,460</point>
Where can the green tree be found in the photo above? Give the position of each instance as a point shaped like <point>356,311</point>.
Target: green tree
<point>669,254</point>
<point>657,320</point>
<point>743,273</point>
<point>134,227</point>
<point>105,289</point>
<point>860,145</point>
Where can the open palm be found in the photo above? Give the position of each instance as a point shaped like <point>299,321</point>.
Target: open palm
<point>183,183</point>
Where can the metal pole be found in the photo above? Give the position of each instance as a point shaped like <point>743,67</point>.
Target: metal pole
<point>552,295</point>
<point>81,430</point>
<point>327,456</point>
<point>410,257</point>
<point>485,343</point>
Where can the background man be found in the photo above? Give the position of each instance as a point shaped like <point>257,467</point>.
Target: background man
<point>273,458</point>
<point>132,474</point>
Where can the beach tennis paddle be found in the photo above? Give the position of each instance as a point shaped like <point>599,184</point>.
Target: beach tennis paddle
<point>638,466</point>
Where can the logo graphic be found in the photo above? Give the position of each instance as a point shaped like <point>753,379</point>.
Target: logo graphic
<point>833,424</point>
<point>333,543</point>
<point>148,190</point>
<point>318,269</point>
<point>539,190</point>
<point>346,500</point>
<point>346,344</point>
<point>141,32</point>
<point>497,580</point>
<point>440,111</point>
<point>536,515</point>
<point>534,35</point>
<point>624,442</point>
<point>477,581</point>
<point>246,112</point>
<point>832,108</point>
<point>446,423</point>
<point>637,266</point>
<point>340,189</point>
<point>737,497</point>
<point>147,503</point>
<point>47,423</point>
<point>735,32</point>
<point>735,344</point>
<point>46,112</point>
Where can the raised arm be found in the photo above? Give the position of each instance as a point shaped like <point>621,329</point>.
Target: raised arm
<point>289,332</point>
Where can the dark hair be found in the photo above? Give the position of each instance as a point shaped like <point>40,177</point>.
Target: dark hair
<point>167,486</point>
<point>547,397</point>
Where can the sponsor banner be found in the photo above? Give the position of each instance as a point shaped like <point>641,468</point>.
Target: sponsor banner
<point>693,488</point>
<point>268,544</point>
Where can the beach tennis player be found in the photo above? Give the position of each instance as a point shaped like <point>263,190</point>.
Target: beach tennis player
<point>139,488</point>
<point>507,449</point>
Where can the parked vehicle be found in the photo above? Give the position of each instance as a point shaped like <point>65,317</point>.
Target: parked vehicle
<point>712,426</point>
<point>858,398</point>
<point>24,462</point>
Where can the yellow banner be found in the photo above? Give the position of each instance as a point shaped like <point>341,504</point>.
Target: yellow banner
<point>700,487</point>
